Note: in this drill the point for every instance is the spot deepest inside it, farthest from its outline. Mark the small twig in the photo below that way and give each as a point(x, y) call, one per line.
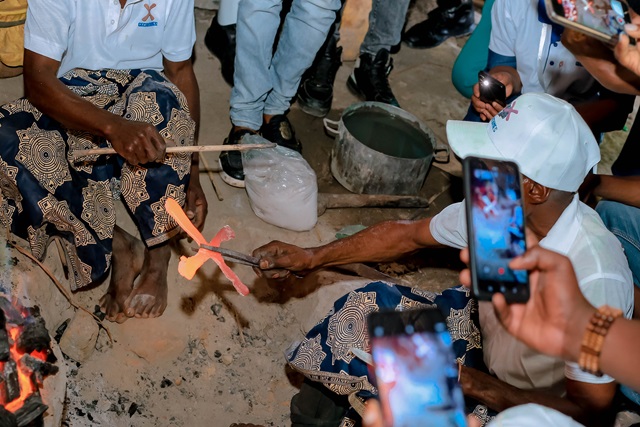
point(60, 287)
point(240, 333)
point(210, 174)
point(77, 154)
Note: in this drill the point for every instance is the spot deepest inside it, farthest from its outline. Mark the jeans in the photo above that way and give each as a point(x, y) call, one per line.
point(265, 83)
point(385, 25)
point(624, 221)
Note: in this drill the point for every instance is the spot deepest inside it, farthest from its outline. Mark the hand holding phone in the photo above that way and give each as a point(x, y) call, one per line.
point(415, 372)
point(491, 89)
point(600, 19)
point(496, 228)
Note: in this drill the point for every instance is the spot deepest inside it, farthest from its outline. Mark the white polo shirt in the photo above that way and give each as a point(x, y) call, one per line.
point(544, 65)
point(603, 275)
point(99, 34)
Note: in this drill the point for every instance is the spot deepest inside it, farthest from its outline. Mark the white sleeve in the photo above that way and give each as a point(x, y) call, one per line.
point(180, 32)
point(449, 227)
point(599, 291)
point(46, 30)
point(503, 27)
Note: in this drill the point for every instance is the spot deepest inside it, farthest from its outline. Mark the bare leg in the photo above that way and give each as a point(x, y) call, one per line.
point(128, 259)
point(149, 295)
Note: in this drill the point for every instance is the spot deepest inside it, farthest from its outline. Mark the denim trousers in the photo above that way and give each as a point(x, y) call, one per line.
point(385, 25)
point(624, 221)
point(265, 82)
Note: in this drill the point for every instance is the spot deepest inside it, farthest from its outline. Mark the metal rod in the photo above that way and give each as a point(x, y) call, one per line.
point(188, 149)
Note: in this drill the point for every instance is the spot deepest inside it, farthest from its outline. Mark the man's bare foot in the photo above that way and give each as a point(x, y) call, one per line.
point(128, 260)
point(149, 295)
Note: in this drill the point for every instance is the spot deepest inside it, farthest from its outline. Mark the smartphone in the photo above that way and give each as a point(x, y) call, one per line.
point(496, 228)
point(491, 89)
point(601, 19)
point(415, 370)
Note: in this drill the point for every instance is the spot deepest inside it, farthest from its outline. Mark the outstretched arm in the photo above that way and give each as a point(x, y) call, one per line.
point(385, 241)
point(137, 142)
point(586, 403)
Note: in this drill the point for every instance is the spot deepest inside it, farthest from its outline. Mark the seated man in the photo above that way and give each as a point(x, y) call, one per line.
point(555, 150)
point(104, 74)
point(527, 55)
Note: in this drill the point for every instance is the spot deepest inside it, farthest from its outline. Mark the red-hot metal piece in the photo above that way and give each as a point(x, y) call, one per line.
point(189, 265)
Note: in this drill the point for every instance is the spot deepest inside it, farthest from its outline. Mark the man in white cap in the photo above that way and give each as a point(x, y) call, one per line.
point(555, 150)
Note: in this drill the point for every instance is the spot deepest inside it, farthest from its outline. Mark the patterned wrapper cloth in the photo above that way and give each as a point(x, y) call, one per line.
point(45, 195)
point(325, 354)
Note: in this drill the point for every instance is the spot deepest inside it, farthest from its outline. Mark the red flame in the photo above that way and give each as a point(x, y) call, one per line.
point(26, 385)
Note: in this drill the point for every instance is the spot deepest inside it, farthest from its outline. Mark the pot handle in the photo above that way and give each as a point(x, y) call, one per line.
point(445, 154)
point(331, 126)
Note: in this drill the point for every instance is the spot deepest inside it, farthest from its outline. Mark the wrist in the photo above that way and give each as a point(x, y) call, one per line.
point(576, 328)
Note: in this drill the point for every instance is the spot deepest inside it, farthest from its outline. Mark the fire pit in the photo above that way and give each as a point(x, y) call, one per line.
point(25, 360)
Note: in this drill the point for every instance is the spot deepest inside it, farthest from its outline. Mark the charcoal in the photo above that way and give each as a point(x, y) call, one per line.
point(3, 390)
point(34, 336)
point(30, 410)
point(12, 314)
point(60, 330)
point(11, 378)
point(7, 419)
point(5, 347)
point(39, 368)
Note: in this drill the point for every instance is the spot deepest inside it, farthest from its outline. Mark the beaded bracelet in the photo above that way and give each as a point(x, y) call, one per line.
point(593, 338)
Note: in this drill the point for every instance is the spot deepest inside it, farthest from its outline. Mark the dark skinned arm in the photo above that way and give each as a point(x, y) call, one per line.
point(181, 74)
point(599, 60)
point(385, 241)
point(137, 142)
point(513, 84)
point(584, 402)
point(619, 189)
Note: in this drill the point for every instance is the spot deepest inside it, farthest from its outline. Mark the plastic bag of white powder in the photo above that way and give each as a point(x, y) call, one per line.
point(282, 187)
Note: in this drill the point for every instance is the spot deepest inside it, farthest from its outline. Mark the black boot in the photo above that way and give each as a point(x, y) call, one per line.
point(316, 91)
point(451, 18)
point(371, 79)
point(221, 41)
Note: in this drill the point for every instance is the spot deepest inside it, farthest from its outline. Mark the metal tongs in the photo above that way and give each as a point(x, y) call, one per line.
point(233, 256)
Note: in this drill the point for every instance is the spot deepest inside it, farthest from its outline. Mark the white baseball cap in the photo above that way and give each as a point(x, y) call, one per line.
point(544, 135)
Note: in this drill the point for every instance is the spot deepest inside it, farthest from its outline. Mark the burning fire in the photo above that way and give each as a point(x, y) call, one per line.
point(27, 387)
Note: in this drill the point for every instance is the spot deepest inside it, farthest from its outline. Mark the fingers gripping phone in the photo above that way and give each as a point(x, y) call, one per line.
point(601, 19)
point(415, 369)
point(491, 89)
point(496, 228)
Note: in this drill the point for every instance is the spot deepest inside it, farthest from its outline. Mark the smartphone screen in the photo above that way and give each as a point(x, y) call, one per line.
point(415, 369)
point(496, 229)
point(491, 89)
point(606, 17)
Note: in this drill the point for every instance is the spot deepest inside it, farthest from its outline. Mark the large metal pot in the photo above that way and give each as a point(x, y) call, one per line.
point(382, 149)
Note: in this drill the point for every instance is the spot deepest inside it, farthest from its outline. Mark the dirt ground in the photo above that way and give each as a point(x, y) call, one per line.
point(215, 357)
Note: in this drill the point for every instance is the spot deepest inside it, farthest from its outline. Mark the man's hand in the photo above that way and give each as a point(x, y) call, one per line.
point(508, 79)
point(556, 315)
point(626, 54)
point(278, 260)
point(136, 142)
point(196, 206)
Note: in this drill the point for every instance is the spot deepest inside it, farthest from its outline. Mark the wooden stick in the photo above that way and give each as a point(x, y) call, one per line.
point(188, 149)
point(210, 174)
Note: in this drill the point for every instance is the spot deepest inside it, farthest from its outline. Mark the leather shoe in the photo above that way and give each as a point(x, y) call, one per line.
point(370, 80)
point(221, 41)
point(440, 25)
point(231, 161)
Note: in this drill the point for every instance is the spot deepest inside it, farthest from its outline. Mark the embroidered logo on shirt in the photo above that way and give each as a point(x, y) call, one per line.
point(153, 22)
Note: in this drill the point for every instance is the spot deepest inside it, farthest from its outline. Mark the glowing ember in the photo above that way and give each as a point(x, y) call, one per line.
point(188, 266)
point(26, 385)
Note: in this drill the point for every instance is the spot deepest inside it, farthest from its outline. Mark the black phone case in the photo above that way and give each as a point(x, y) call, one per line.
point(491, 89)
